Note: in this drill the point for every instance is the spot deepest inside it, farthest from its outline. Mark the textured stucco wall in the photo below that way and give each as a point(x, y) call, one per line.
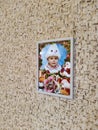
point(23, 23)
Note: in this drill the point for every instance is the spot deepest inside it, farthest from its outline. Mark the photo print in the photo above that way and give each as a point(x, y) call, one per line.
point(55, 67)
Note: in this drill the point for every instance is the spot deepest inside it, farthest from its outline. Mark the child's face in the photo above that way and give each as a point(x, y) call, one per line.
point(53, 61)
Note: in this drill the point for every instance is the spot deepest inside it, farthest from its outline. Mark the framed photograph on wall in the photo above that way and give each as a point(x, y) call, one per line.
point(55, 67)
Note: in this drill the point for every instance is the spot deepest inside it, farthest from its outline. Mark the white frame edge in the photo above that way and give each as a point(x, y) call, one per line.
point(72, 45)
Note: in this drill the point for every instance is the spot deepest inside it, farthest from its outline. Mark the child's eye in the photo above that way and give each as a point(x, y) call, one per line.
point(51, 50)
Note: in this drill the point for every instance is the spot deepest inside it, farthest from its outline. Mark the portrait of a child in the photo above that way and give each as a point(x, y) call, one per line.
point(53, 56)
point(54, 67)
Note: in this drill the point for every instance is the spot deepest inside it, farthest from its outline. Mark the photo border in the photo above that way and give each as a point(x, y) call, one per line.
point(71, 60)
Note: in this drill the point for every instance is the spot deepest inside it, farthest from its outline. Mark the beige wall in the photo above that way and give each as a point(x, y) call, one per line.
point(23, 23)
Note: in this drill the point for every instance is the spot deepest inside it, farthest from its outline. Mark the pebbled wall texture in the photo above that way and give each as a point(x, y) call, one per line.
point(25, 22)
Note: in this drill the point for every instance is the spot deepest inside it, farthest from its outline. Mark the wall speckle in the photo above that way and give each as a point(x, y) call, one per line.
point(25, 22)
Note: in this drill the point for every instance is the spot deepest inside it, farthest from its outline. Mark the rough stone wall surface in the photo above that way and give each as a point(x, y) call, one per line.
point(23, 23)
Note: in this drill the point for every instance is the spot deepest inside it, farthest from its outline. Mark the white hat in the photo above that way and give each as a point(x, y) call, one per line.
point(53, 51)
